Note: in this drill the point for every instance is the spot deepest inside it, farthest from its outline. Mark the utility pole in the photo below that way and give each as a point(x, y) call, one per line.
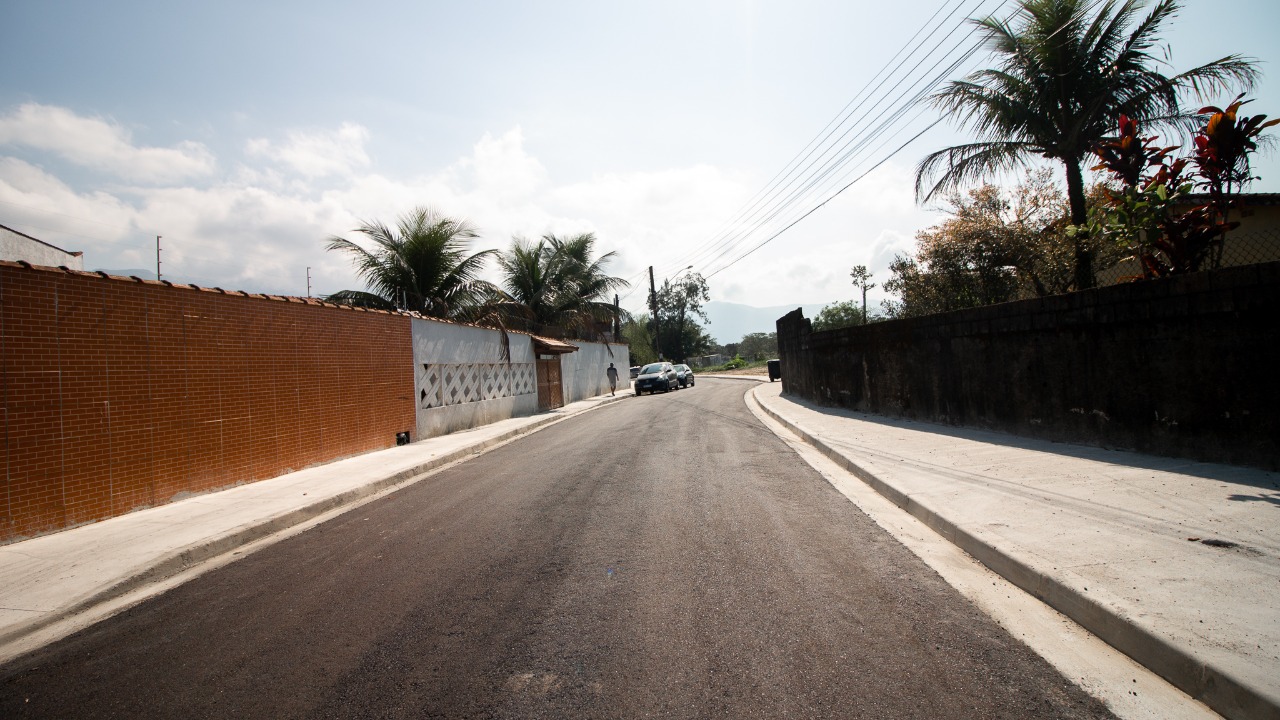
point(653, 309)
point(308, 281)
point(157, 258)
point(617, 319)
point(684, 302)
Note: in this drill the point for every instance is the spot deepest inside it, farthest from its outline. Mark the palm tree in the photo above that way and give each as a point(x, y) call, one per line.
point(589, 281)
point(420, 266)
point(554, 286)
point(527, 282)
point(1063, 80)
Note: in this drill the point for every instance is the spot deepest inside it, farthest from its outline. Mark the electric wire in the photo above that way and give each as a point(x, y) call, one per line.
point(852, 147)
point(855, 146)
point(826, 177)
point(785, 178)
point(831, 127)
point(723, 242)
point(824, 202)
point(879, 129)
point(792, 195)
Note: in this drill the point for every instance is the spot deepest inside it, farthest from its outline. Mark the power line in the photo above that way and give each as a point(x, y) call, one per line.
point(823, 156)
point(783, 178)
point(725, 243)
point(826, 178)
point(824, 202)
point(859, 144)
point(824, 134)
point(844, 159)
point(799, 187)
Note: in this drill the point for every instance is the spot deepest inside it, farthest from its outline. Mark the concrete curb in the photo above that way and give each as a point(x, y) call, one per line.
point(170, 565)
point(1174, 662)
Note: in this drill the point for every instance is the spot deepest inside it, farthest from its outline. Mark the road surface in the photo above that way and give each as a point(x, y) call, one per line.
point(664, 556)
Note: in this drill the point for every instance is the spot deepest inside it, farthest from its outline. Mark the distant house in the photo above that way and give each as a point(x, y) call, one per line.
point(17, 246)
point(1258, 237)
point(1257, 240)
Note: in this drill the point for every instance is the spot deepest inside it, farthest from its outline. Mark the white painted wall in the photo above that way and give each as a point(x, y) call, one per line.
point(582, 373)
point(461, 380)
point(15, 246)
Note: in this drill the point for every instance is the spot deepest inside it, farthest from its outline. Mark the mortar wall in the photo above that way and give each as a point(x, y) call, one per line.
point(119, 395)
point(1184, 366)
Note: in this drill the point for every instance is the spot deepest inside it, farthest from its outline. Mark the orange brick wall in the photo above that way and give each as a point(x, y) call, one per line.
point(118, 395)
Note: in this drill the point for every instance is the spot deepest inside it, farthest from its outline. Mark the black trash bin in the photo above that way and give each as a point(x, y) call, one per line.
point(775, 370)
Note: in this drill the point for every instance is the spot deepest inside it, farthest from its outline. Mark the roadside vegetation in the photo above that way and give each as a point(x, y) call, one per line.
point(1073, 83)
point(738, 365)
point(555, 286)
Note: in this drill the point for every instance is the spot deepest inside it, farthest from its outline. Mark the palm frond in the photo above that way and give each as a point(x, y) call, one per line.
point(358, 298)
point(958, 166)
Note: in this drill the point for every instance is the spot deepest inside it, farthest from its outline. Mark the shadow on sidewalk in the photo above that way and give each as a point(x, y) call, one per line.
point(1233, 474)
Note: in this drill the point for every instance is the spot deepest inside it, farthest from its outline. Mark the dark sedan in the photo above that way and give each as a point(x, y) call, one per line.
point(657, 376)
point(684, 374)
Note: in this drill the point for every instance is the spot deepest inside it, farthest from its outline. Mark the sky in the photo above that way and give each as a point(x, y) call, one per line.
point(247, 133)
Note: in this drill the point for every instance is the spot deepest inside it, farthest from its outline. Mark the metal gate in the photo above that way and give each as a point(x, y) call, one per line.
point(550, 390)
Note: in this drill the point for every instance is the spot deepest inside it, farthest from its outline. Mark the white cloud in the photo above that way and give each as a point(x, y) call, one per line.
point(259, 228)
point(318, 154)
point(500, 169)
point(101, 145)
point(41, 205)
point(810, 263)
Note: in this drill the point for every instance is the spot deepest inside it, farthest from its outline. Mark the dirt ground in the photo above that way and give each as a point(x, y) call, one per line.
point(762, 370)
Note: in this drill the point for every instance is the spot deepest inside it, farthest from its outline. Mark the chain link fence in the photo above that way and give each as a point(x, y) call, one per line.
point(1244, 247)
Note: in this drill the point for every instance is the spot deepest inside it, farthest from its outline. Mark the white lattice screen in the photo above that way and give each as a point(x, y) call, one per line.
point(442, 384)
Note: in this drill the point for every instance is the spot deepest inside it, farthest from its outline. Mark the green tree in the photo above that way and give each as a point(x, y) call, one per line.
point(422, 265)
point(1063, 78)
point(555, 286)
point(838, 315)
point(997, 245)
point(758, 346)
point(637, 333)
point(681, 342)
point(678, 304)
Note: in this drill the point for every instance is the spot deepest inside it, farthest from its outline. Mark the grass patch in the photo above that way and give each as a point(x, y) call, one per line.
point(734, 364)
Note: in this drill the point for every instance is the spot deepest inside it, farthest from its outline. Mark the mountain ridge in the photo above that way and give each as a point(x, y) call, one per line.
point(728, 322)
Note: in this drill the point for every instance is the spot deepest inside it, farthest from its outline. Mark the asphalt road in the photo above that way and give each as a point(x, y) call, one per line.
point(665, 556)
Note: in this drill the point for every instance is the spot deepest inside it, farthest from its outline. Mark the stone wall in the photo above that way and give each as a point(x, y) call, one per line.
point(1185, 366)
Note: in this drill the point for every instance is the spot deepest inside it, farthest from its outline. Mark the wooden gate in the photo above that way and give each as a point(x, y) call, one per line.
point(550, 390)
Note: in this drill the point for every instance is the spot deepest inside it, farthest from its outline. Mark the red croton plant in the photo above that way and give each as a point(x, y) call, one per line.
point(1149, 214)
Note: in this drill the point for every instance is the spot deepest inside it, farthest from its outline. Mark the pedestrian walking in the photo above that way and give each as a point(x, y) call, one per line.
point(612, 372)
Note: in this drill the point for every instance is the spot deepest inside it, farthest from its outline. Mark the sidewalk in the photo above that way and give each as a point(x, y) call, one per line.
point(1173, 562)
point(56, 577)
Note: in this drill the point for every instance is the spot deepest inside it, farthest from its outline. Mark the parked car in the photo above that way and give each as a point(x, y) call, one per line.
point(635, 371)
point(684, 374)
point(657, 376)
